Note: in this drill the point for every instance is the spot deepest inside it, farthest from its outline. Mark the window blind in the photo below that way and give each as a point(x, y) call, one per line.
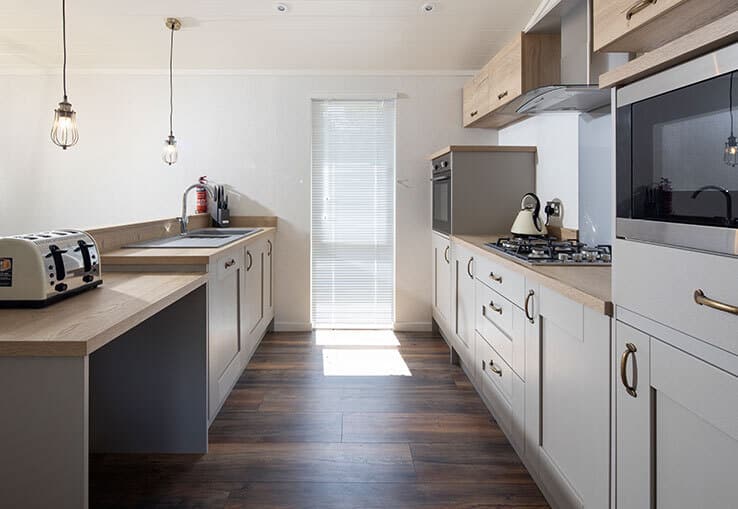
point(353, 203)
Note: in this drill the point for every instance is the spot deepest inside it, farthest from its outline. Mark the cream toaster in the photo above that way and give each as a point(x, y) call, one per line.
point(40, 268)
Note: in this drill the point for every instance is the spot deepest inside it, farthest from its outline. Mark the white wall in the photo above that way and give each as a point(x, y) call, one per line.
point(574, 156)
point(249, 131)
point(557, 173)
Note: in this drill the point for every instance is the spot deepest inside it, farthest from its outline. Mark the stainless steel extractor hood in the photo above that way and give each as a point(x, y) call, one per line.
point(580, 68)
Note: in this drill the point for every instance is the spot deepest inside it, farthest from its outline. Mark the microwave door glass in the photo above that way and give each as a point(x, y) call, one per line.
point(679, 140)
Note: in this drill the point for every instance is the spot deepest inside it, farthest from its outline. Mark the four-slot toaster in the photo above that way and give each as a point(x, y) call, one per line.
point(37, 269)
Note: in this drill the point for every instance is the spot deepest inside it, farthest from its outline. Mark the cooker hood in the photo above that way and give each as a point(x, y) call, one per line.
point(580, 68)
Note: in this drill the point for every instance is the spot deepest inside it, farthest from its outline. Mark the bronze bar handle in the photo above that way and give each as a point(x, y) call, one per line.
point(528, 298)
point(630, 349)
point(251, 261)
point(269, 243)
point(474, 113)
point(445, 254)
point(495, 278)
point(703, 300)
point(497, 371)
point(502, 95)
point(494, 308)
point(230, 263)
point(468, 268)
point(638, 7)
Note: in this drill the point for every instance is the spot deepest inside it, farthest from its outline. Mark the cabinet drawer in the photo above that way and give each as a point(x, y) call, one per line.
point(505, 331)
point(643, 25)
point(228, 263)
point(660, 283)
point(495, 368)
point(508, 282)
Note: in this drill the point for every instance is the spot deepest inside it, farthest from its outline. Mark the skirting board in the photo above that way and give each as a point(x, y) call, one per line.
point(293, 326)
point(307, 326)
point(412, 326)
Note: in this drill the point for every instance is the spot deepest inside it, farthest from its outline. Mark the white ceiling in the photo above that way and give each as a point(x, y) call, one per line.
point(336, 35)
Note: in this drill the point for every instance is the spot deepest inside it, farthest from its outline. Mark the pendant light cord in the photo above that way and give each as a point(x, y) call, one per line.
point(730, 102)
point(64, 45)
point(171, 82)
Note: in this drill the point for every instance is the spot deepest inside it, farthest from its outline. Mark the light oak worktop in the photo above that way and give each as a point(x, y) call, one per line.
point(481, 148)
point(591, 286)
point(81, 324)
point(174, 256)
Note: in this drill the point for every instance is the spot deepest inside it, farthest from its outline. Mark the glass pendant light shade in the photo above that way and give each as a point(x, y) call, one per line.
point(64, 132)
point(731, 151)
point(169, 154)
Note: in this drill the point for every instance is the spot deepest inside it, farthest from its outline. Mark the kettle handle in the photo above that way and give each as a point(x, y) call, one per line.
point(536, 210)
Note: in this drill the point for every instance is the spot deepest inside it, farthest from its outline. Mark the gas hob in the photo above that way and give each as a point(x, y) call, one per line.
point(551, 251)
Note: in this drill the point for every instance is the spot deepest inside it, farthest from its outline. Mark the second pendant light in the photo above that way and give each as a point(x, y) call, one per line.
point(169, 154)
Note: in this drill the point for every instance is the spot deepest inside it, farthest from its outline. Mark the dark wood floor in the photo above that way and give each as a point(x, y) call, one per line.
point(291, 437)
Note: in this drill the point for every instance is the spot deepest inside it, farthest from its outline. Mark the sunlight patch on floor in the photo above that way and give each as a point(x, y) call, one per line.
point(359, 338)
point(364, 362)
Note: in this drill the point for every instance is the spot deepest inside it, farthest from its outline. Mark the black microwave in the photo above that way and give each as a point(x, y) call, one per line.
point(677, 156)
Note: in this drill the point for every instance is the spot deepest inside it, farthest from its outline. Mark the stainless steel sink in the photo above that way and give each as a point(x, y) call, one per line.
point(204, 238)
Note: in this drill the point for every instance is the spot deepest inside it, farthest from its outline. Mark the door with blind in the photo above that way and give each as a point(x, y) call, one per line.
point(353, 213)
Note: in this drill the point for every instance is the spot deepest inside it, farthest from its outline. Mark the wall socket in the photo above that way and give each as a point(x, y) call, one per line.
point(553, 208)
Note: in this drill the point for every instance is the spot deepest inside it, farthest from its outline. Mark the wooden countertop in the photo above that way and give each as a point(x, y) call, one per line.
point(174, 256)
point(481, 148)
point(591, 286)
point(81, 324)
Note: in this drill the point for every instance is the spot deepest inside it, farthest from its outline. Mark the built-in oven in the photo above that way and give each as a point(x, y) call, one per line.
point(677, 156)
point(441, 180)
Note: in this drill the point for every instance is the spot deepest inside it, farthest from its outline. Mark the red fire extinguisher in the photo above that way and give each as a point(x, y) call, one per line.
point(202, 196)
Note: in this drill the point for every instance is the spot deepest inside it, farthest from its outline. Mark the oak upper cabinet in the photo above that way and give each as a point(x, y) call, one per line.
point(442, 281)
point(224, 327)
point(527, 62)
point(463, 302)
point(567, 397)
point(476, 96)
point(643, 25)
point(677, 427)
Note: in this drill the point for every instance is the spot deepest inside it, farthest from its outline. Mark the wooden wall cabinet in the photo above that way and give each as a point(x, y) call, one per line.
point(527, 62)
point(643, 25)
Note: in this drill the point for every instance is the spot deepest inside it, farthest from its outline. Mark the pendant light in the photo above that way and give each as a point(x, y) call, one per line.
point(730, 155)
point(64, 132)
point(169, 154)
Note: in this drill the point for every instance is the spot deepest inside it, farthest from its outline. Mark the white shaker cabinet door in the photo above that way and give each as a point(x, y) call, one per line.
point(464, 309)
point(442, 278)
point(677, 419)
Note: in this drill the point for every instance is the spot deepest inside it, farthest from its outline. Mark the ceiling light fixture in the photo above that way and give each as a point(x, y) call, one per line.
point(64, 131)
point(282, 7)
point(169, 154)
point(428, 8)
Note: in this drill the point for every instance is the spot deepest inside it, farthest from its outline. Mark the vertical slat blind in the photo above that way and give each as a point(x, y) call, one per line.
point(353, 175)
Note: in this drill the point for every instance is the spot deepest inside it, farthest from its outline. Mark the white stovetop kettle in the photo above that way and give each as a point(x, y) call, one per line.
point(529, 222)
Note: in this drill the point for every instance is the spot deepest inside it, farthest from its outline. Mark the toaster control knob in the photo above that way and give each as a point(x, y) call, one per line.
point(61, 287)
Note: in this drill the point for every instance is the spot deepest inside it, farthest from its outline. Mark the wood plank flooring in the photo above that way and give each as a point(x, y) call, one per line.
point(291, 437)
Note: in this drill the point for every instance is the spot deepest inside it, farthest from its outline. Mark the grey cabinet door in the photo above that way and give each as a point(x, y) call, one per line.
point(224, 326)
